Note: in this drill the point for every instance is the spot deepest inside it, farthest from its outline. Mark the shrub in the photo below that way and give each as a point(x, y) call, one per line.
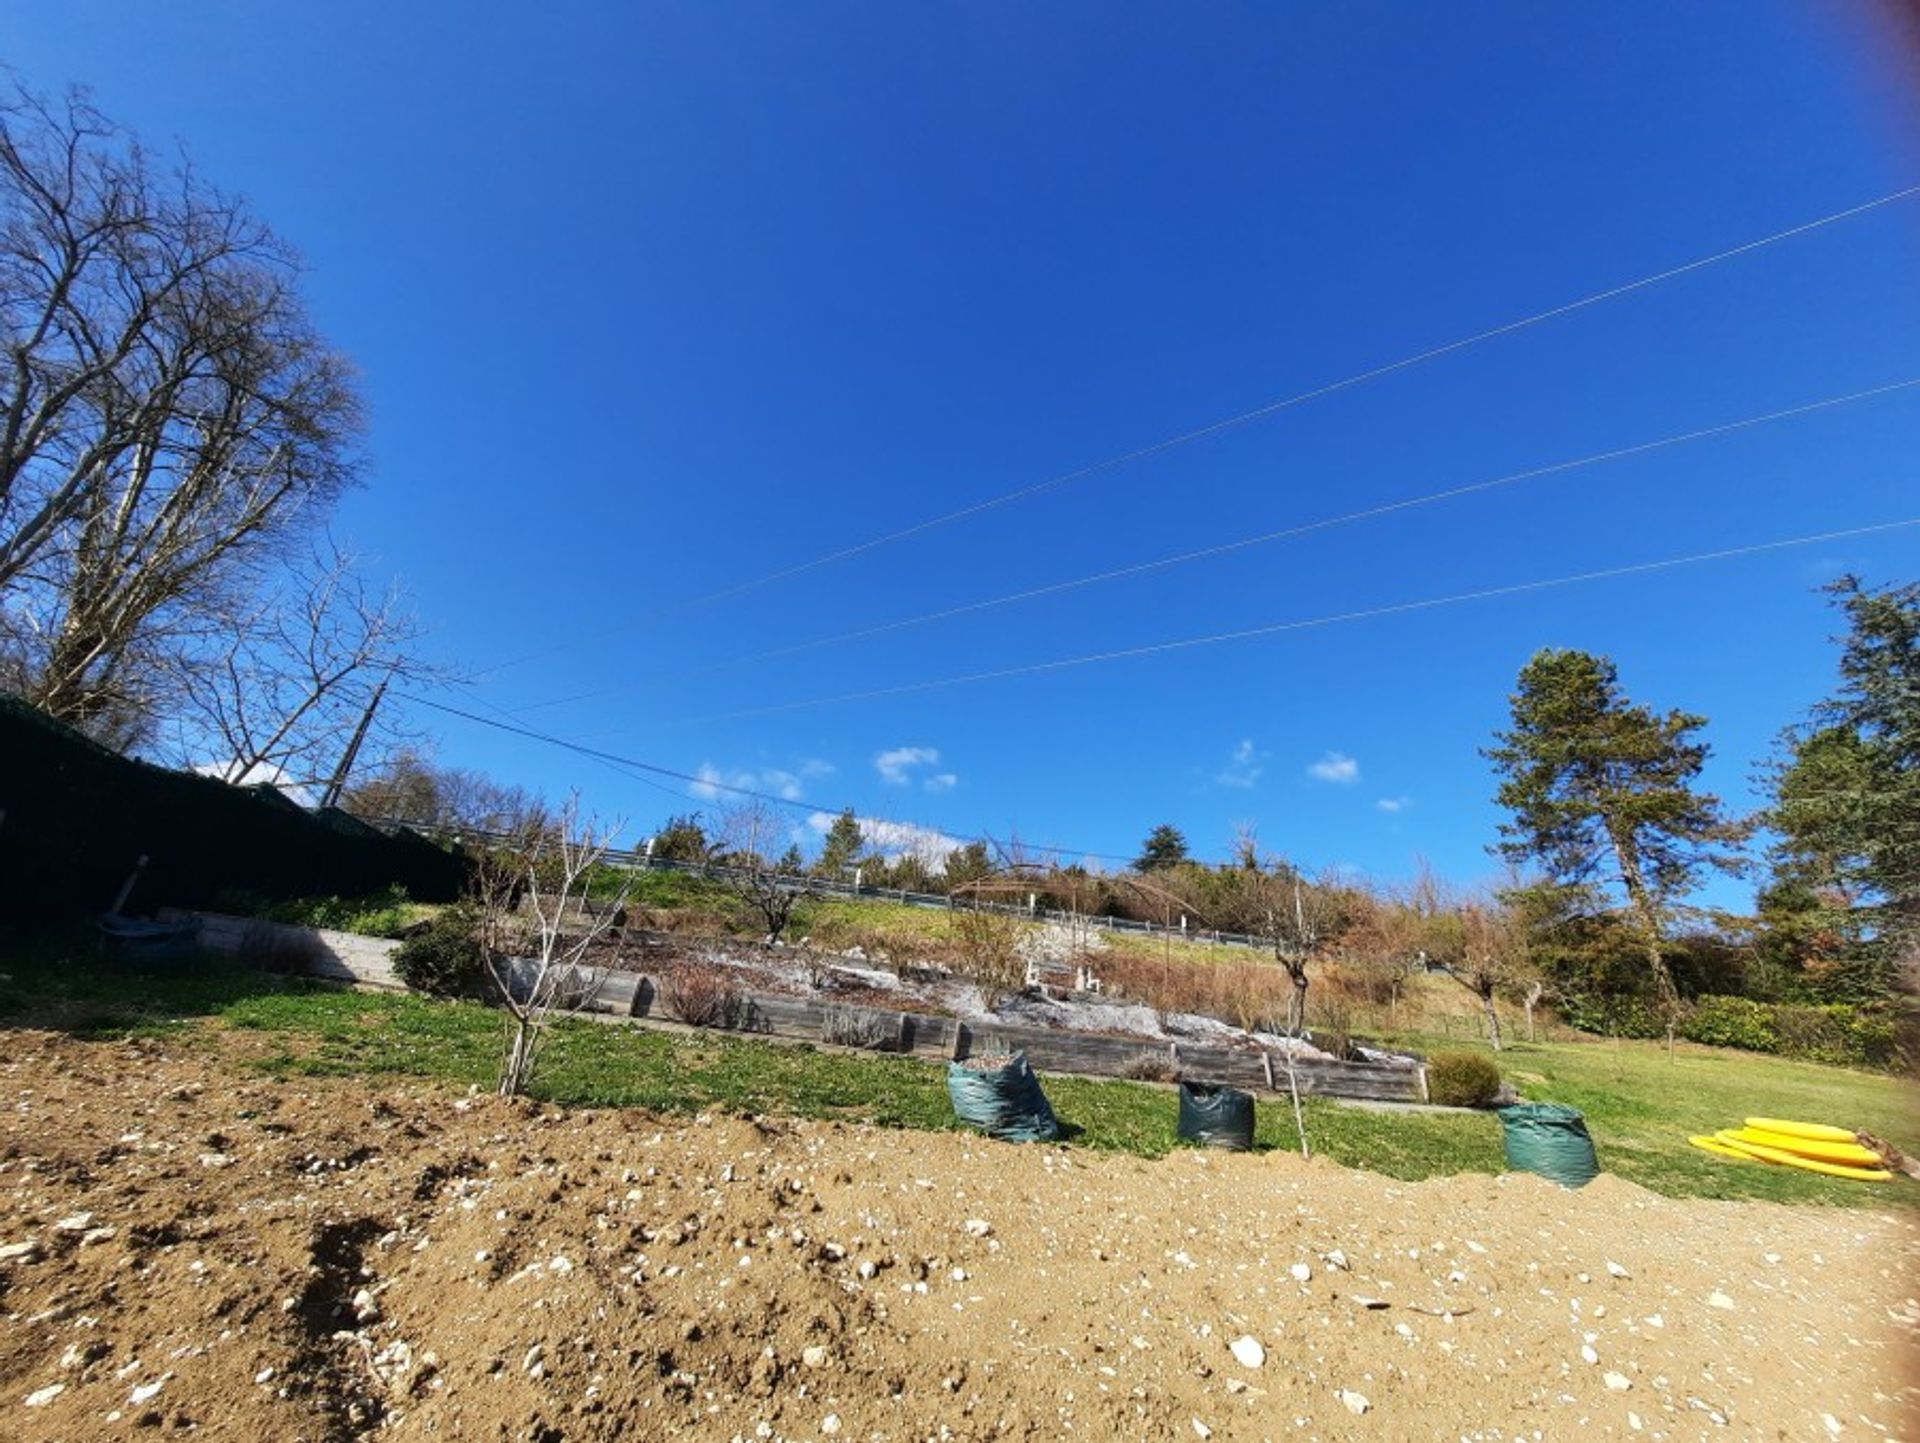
point(988, 944)
point(1830, 1032)
point(702, 996)
point(445, 959)
point(858, 1027)
point(1462, 1079)
point(1149, 1067)
point(386, 913)
point(1733, 1022)
point(1332, 1030)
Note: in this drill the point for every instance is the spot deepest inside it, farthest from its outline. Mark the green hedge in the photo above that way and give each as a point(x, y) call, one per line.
point(1831, 1032)
point(1836, 1032)
point(78, 818)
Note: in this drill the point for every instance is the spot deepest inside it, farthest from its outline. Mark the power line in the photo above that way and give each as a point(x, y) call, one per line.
point(623, 764)
point(1227, 547)
point(1337, 618)
point(1228, 423)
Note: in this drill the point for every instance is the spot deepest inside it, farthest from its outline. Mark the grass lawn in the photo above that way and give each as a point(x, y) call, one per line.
point(1639, 1105)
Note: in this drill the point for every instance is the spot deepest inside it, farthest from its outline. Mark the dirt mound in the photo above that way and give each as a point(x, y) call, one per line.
point(185, 1245)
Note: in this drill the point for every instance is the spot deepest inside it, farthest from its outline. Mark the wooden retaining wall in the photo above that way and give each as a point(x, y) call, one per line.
point(635, 998)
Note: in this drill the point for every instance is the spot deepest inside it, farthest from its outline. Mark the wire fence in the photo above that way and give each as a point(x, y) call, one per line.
point(644, 861)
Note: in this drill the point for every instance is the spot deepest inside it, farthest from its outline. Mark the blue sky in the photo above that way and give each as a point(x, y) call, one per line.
point(654, 300)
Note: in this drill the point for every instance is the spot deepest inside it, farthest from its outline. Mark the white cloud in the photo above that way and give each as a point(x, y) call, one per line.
point(895, 766)
point(1394, 804)
point(943, 782)
point(264, 774)
point(895, 840)
point(1244, 766)
point(1336, 767)
point(716, 785)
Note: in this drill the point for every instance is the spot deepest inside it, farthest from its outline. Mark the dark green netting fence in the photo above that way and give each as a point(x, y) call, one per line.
point(75, 819)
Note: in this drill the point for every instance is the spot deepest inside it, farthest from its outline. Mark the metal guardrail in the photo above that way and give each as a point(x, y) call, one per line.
point(833, 886)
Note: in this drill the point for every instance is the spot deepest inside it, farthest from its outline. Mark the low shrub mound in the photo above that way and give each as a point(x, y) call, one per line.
point(445, 959)
point(1462, 1079)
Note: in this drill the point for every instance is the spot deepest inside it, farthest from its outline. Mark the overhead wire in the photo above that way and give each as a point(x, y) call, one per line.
point(634, 766)
point(1224, 548)
point(1276, 628)
point(1242, 418)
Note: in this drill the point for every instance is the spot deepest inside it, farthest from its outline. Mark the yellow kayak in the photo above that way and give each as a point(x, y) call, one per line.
point(1807, 1164)
point(1849, 1153)
point(1714, 1145)
point(1817, 1131)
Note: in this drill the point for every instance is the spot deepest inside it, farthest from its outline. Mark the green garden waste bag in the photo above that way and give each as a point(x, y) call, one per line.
point(1003, 1100)
point(1216, 1116)
point(1551, 1139)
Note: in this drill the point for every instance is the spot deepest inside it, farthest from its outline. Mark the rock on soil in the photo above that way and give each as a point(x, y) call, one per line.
point(404, 1262)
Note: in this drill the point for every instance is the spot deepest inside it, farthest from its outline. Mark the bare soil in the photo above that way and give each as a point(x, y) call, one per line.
point(188, 1246)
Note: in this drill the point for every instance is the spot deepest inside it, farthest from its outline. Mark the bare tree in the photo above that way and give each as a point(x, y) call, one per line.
point(1535, 993)
point(547, 951)
point(168, 416)
point(297, 686)
point(741, 834)
point(1297, 918)
point(407, 787)
point(1479, 941)
point(1489, 958)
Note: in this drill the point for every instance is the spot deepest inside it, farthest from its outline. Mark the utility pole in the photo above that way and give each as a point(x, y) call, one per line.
point(331, 797)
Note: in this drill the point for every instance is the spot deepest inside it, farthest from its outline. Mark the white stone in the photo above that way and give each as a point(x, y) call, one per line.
point(1301, 1272)
point(1355, 1403)
point(19, 1252)
point(40, 1397)
point(366, 1307)
point(1337, 1259)
point(978, 1227)
point(1720, 1300)
point(1247, 1351)
point(1201, 1430)
point(1617, 1270)
point(814, 1357)
point(1587, 1354)
point(830, 1424)
point(77, 1223)
point(1618, 1382)
point(147, 1391)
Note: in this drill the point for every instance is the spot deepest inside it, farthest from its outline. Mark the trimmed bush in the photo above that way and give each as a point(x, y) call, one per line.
point(444, 960)
point(1462, 1079)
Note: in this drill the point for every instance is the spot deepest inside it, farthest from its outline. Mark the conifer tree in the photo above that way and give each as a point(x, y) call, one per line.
point(1602, 791)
